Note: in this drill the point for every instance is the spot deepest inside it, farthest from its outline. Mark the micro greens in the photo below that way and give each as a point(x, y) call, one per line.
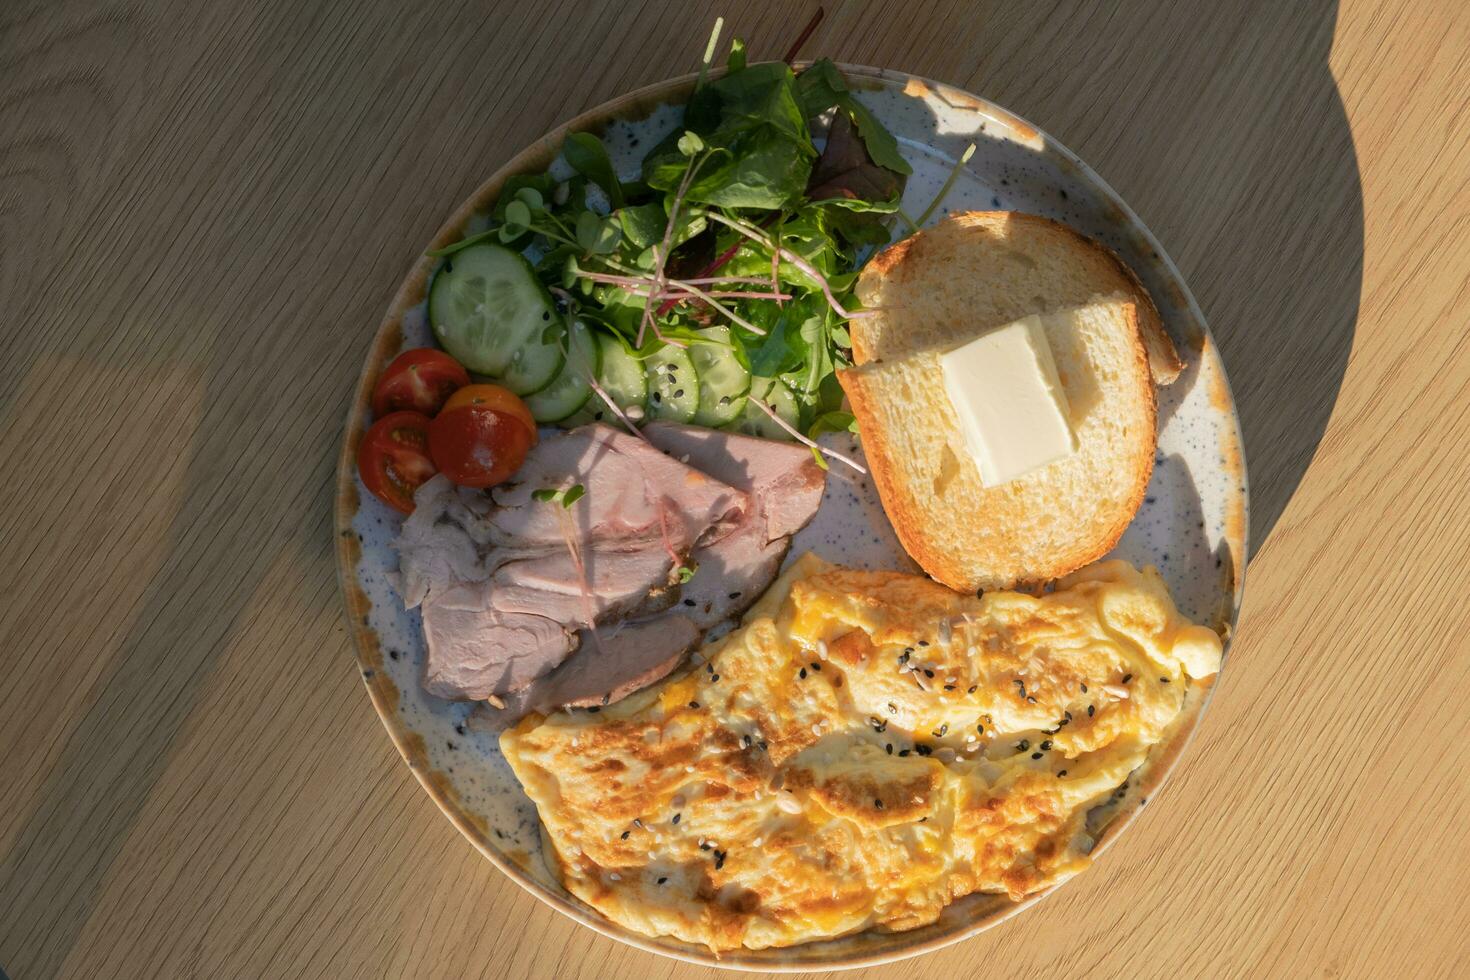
point(736, 219)
point(565, 496)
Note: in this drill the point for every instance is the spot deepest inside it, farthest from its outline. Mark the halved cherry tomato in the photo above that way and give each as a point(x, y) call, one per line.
point(393, 458)
point(477, 446)
point(418, 380)
point(496, 397)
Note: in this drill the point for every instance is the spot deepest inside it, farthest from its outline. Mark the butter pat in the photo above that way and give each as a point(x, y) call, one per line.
point(1010, 403)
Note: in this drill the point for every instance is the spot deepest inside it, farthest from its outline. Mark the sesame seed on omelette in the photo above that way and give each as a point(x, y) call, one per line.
point(865, 749)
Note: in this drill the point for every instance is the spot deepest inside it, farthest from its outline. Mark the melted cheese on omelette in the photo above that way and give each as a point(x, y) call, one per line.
point(867, 748)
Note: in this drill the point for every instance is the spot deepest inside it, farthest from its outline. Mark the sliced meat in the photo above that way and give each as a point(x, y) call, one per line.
point(731, 575)
point(784, 479)
point(785, 485)
point(502, 594)
point(440, 541)
point(474, 650)
point(618, 584)
point(634, 494)
point(626, 659)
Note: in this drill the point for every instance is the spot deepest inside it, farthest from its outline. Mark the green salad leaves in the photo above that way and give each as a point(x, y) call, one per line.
point(737, 233)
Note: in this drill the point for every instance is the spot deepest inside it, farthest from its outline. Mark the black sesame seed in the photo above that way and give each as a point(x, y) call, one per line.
point(719, 860)
point(694, 705)
point(817, 667)
point(903, 753)
point(662, 880)
point(889, 748)
point(928, 673)
point(903, 658)
point(745, 741)
point(1036, 755)
point(688, 602)
point(973, 688)
point(1090, 709)
point(801, 673)
point(1163, 680)
point(1127, 678)
point(735, 595)
point(878, 804)
point(714, 678)
point(676, 818)
point(949, 687)
point(908, 649)
point(761, 744)
point(1030, 699)
point(1061, 772)
point(923, 749)
point(704, 845)
point(1046, 745)
point(892, 708)
point(1084, 688)
point(1023, 745)
point(624, 834)
point(459, 728)
point(1020, 685)
point(594, 710)
point(923, 643)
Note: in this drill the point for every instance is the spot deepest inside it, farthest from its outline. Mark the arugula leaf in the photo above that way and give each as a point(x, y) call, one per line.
point(822, 86)
point(588, 157)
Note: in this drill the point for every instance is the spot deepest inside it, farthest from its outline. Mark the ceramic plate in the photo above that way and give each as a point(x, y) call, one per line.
point(1192, 525)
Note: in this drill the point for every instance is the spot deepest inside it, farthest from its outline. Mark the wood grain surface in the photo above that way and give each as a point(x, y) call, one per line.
point(204, 210)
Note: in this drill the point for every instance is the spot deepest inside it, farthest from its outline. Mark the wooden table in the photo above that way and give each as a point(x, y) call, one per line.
point(204, 209)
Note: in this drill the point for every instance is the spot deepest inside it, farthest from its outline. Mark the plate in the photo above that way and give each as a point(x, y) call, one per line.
point(1192, 525)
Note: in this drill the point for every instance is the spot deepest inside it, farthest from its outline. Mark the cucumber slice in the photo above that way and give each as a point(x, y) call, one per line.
point(754, 422)
point(490, 313)
point(673, 386)
point(570, 389)
point(621, 375)
point(723, 380)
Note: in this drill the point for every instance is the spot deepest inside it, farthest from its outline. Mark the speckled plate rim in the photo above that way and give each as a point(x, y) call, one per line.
point(385, 696)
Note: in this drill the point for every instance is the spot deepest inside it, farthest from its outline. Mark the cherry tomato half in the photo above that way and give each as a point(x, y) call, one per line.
point(476, 446)
point(418, 380)
point(496, 397)
point(393, 458)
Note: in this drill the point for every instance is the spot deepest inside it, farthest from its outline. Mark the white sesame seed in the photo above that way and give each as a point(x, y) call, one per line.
point(615, 876)
point(817, 729)
point(787, 805)
point(822, 649)
point(757, 842)
point(1115, 691)
point(688, 768)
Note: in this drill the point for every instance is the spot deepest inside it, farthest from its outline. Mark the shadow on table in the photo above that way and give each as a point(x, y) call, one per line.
point(1277, 269)
point(1250, 182)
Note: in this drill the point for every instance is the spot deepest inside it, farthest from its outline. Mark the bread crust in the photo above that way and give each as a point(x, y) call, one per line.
point(937, 549)
point(1163, 358)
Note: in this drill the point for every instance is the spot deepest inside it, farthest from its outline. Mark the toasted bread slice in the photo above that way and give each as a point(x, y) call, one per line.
point(1039, 526)
point(980, 269)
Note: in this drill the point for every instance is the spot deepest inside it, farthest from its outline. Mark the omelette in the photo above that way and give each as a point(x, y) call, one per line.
point(865, 749)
